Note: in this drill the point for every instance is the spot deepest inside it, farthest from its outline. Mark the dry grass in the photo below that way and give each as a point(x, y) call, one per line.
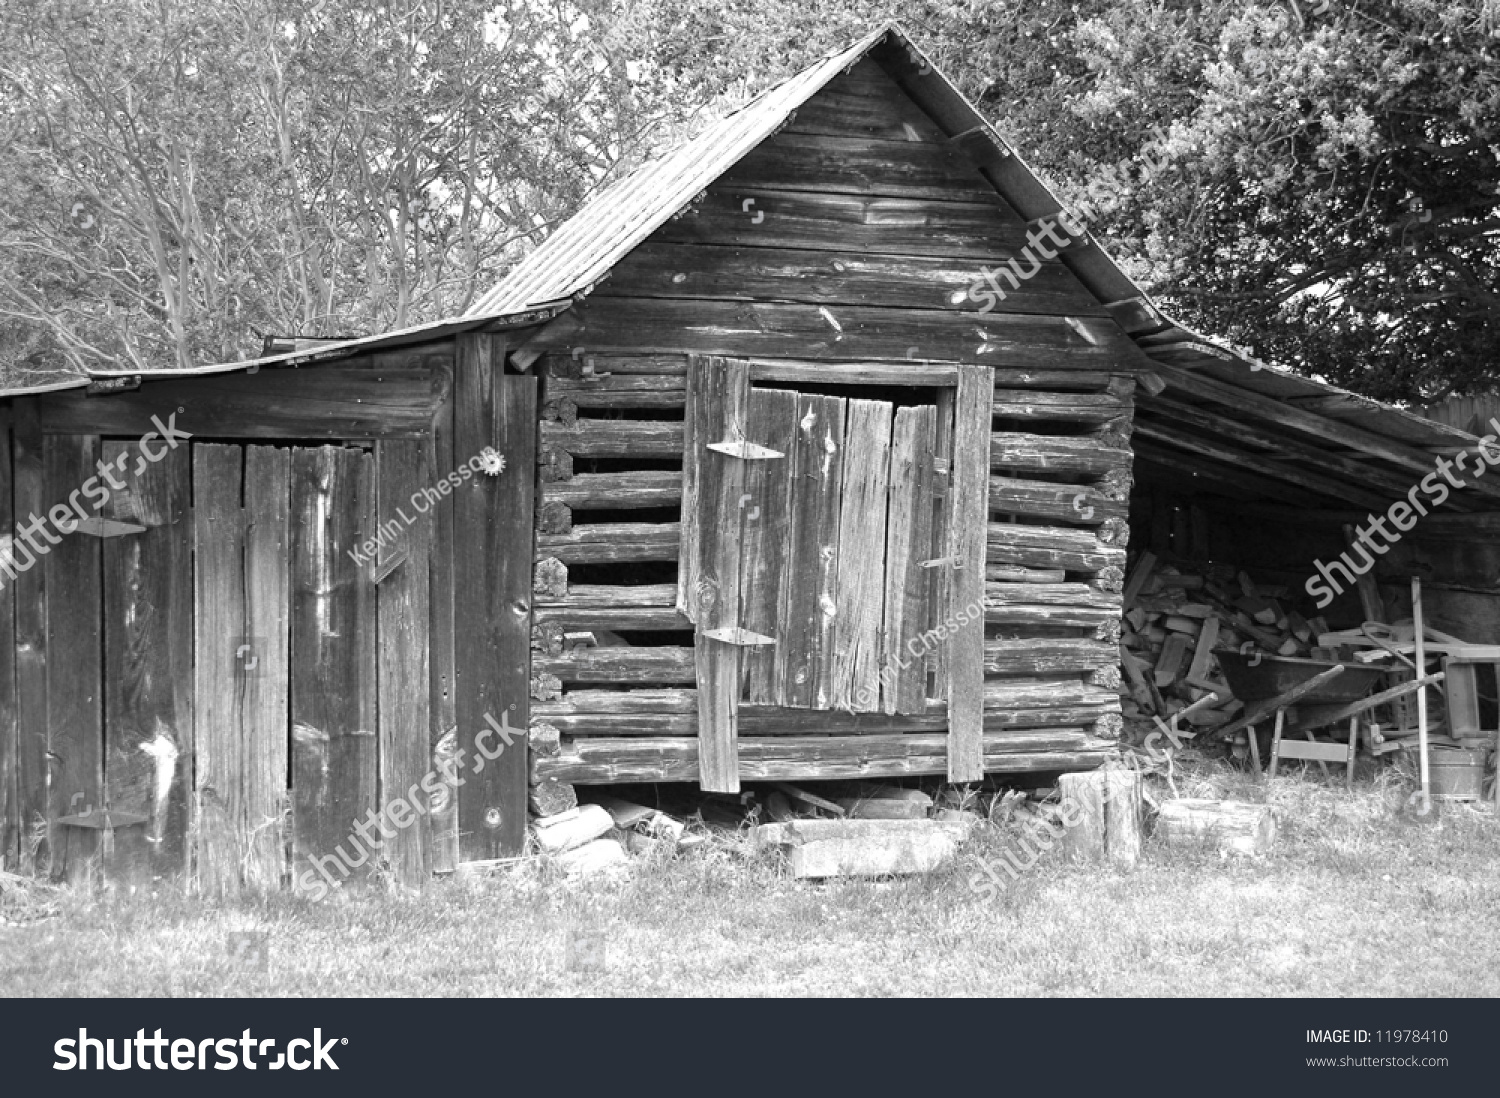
point(1357, 899)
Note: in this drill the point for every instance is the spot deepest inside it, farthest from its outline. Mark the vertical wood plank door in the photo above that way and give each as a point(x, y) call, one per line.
point(812, 534)
point(333, 669)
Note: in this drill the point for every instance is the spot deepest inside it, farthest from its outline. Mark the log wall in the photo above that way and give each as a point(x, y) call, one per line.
point(840, 252)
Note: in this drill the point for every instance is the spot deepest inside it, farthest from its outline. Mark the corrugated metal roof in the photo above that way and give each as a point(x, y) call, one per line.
point(417, 333)
point(614, 221)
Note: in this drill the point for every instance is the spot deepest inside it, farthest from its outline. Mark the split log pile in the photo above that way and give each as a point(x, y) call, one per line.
point(1174, 622)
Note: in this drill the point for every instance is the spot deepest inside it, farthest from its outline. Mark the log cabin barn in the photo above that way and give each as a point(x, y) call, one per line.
point(731, 480)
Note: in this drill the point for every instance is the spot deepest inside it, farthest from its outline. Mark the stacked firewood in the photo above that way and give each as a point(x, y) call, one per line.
point(1175, 620)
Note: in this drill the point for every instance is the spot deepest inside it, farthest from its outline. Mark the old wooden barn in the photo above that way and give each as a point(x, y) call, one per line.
point(800, 453)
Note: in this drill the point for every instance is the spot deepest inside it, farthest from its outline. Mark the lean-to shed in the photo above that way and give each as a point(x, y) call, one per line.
point(805, 451)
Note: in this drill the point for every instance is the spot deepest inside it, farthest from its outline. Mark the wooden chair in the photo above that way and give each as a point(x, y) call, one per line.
point(1314, 751)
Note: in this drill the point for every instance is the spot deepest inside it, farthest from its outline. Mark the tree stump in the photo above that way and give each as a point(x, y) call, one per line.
point(1101, 816)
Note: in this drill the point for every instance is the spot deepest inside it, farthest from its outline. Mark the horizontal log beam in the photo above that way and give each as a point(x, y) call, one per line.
point(606, 542)
point(597, 596)
point(823, 277)
point(1082, 504)
point(619, 665)
point(844, 333)
point(841, 223)
point(1015, 451)
point(1049, 547)
point(1065, 407)
point(1047, 655)
point(863, 166)
point(617, 491)
point(615, 438)
point(615, 618)
point(604, 761)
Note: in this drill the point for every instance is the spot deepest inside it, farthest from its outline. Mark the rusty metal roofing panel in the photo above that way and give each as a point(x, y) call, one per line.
point(417, 333)
point(585, 247)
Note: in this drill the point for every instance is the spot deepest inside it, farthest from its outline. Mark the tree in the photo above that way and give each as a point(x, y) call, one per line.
point(179, 178)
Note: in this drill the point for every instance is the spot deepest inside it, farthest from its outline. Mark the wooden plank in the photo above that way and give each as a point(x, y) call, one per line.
point(772, 423)
point(865, 102)
point(632, 438)
point(333, 666)
point(908, 541)
point(807, 218)
point(604, 542)
point(662, 664)
point(846, 332)
point(266, 676)
point(10, 763)
point(31, 640)
point(810, 588)
point(605, 761)
point(969, 500)
point(494, 548)
point(910, 374)
point(404, 612)
point(442, 659)
point(617, 491)
point(218, 666)
point(325, 402)
point(860, 166)
point(148, 662)
point(1081, 503)
point(826, 277)
point(942, 522)
point(75, 675)
point(854, 674)
point(720, 413)
point(1015, 451)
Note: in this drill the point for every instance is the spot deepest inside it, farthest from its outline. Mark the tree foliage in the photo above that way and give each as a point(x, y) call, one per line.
point(181, 177)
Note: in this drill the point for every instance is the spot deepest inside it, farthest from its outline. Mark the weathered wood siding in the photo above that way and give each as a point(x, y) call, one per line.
point(225, 658)
point(842, 251)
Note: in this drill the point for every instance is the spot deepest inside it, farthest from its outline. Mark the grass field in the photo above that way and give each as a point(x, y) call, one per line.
point(1357, 899)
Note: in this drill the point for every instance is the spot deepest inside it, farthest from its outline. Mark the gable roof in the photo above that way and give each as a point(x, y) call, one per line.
point(570, 262)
